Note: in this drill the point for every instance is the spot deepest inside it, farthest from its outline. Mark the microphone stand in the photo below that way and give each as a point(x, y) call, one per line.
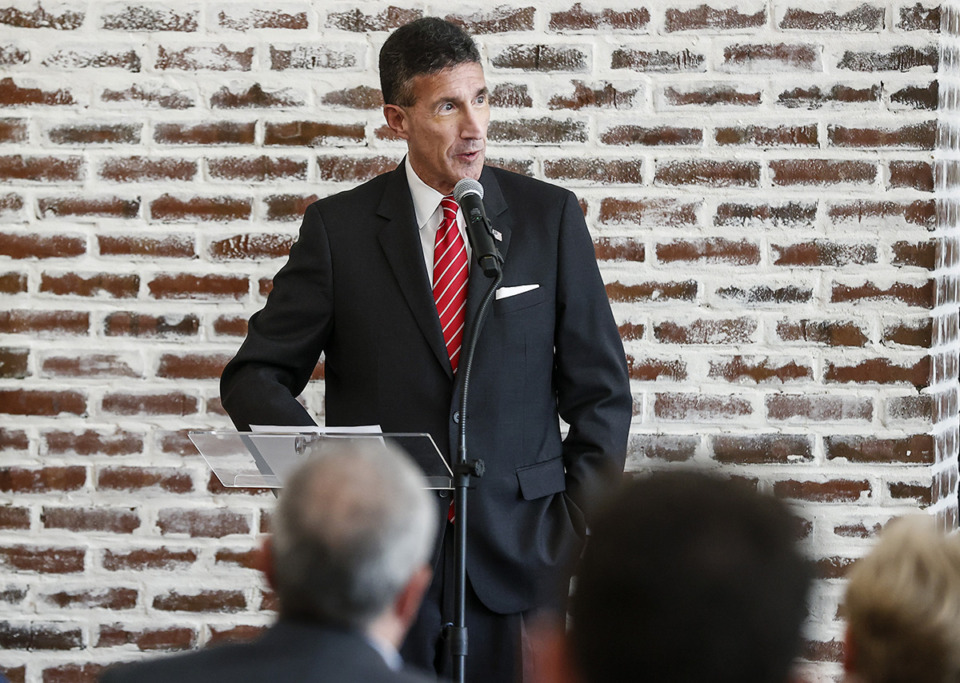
point(464, 471)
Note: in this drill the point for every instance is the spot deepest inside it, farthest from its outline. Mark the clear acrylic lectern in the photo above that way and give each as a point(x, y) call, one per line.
point(264, 459)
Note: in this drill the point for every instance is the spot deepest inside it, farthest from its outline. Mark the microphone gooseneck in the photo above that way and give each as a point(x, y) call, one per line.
point(469, 195)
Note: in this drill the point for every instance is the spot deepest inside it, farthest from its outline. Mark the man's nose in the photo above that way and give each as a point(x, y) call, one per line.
point(473, 125)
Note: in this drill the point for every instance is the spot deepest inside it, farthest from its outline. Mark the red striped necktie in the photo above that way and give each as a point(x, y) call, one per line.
point(450, 280)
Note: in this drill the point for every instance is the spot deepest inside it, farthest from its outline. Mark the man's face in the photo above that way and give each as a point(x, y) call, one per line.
point(446, 127)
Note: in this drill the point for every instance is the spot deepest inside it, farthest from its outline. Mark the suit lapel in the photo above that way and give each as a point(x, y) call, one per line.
point(496, 206)
point(401, 246)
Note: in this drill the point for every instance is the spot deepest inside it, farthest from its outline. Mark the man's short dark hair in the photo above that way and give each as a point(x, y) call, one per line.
point(424, 46)
point(689, 578)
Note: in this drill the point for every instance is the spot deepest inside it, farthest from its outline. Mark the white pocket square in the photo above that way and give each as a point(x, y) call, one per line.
point(506, 292)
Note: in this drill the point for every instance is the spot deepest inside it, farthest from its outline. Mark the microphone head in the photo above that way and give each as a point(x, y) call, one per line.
point(467, 186)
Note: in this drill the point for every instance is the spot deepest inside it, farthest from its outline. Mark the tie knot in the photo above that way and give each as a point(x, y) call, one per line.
point(449, 204)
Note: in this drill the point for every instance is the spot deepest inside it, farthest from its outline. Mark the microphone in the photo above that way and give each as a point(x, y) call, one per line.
point(469, 195)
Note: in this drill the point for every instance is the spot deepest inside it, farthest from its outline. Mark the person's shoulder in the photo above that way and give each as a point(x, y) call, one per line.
point(361, 195)
point(518, 183)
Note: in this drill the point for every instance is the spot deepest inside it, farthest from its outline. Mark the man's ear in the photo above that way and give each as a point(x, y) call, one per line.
point(407, 603)
point(396, 120)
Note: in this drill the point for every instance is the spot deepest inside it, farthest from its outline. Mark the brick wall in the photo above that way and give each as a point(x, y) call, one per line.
point(773, 209)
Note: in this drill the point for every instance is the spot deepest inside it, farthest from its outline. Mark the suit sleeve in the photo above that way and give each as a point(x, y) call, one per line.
point(284, 339)
point(590, 371)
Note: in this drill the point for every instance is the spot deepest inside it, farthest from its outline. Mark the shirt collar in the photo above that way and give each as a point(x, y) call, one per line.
point(425, 198)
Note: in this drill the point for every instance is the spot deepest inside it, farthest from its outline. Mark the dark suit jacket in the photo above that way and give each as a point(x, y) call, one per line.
point(355, 287)
point(290, 651)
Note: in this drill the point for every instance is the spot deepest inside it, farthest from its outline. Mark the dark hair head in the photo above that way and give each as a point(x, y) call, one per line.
point(424, 46)
point(689, 578)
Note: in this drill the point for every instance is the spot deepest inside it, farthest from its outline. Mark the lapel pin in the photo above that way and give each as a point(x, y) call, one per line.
point(496, 235)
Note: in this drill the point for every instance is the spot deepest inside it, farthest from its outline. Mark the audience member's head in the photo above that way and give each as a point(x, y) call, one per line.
point(687, 578)
point(351, 538)
point(425, 46)
point(903, 607)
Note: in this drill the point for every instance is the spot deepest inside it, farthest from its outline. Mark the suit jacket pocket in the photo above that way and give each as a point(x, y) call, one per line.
point(519, 301)
point(542, 479)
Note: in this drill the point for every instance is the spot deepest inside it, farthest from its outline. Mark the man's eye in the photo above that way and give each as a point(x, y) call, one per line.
point(482, 99)
point(447, 106)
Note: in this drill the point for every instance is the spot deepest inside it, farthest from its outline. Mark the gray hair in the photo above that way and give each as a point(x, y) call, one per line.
point(352, 526)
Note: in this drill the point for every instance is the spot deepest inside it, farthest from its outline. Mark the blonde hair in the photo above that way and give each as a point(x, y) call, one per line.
point(903, 606)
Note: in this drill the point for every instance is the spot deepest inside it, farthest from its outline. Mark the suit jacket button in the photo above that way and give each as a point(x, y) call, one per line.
point(456, 417)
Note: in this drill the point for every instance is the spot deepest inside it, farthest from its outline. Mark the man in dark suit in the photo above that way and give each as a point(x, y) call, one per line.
point(357, 287)
point(348, 557)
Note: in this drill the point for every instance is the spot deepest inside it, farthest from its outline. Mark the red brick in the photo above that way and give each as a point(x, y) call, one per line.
point(351, 169)
point(823, 253)
point(791, 214)
point(814, 98)
point(656, 212)
point(129, 324)
point(545, 58)
point(34, 246)
point(759, 370)
point(192, 366)
point(91, 442)
point(40, 636)
point(722, 331)
point(14, 130)
point(909, 408)
point(257, 169)
point(666, 447)
point(901, 58)
point(658, 61)
point(14, 517)
point(762, 449)
point(138, 478)
point(230, 326)
point(916, 254)
point(171, 209)
point(13, 440)
point(767, 136)
point(919, 18)
point(917, 175)
point(605, 171)
point(136, 17)
point(49, 403)
point(113, 520)
point(618, 249)
point(14, 362)
point(833, 491)
point(360, 97)
point(12, 596)
point(90, 59)
point(517, 96)
point(857, 530)
point(68, 20)
point(762, 294)
point(606, 96)
point(218, 133)
point(915, 136)
point(819, 651)
point(357, 22)
point(921, 212)
point(96, 365)
point(917, 333)
point(917, 97)
point(11, 55)
point(916, 493)
point(13, 283)
point(707, 173)
point(73, 673)
point(12, 95)
point(863, 18)
point(918, 449)
point(134, 169)
point(818, 408)
point(705, 19)
point(149, 558)
point(235, 634)
point(287, 207)
point(822, 172)
point(310, 57)
point(45, 560)
point(169, 639)
point(210, 601)
point(172, 403)
point(44, 169)
point(105, 207)
point(262, 19)
point(653, 291)
point(94, 598)
point(173, 246)
point(247, 559)
point(652, 369)
point(538, 131)
point(203, 58)
point(715, 250)
point(10, 205)
point(95, 134)
point(880, 371)
point(22, 480)
point(161, 96)
point(771, 58)
point(209, 523)
point(45, 323)
point(254, 97)
point(73, 284)
point(900, 292)
point(652, 137)
point(312, 133)
point(700, 408)
point(500, 19)
point(187, 286)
